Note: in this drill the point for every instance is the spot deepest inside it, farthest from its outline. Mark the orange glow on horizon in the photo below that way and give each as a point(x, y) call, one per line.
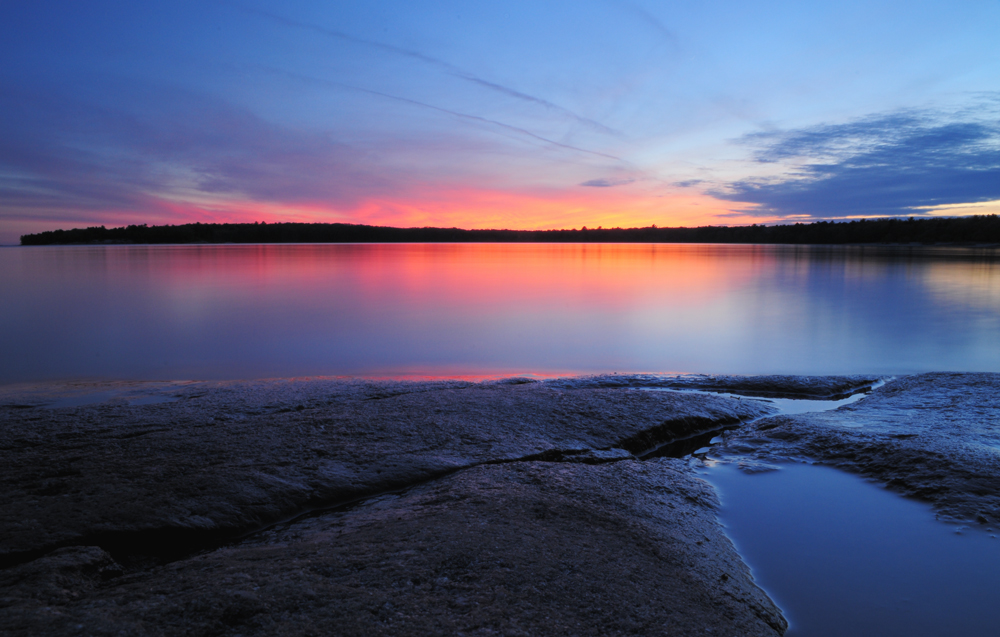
point(456, 207)
point(473, 209)
point(460, 207)
point(597, 207)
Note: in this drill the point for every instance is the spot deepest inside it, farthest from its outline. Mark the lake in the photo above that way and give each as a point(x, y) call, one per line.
point(255, 311)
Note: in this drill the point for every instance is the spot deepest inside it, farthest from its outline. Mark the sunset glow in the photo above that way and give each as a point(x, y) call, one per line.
point(449, 207)
point(538, 210)
point(525, 117)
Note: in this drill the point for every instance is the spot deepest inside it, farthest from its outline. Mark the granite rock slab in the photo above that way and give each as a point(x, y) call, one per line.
point(357, 507)
point(523, 548)
point(224, 459)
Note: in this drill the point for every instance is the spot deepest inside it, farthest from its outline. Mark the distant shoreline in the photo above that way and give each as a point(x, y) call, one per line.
point(981, 230)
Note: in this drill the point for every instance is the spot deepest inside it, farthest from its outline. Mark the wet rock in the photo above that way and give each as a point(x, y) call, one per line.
point(516, 549)
point(811, 387)
point(151, 482)
point(935, 437)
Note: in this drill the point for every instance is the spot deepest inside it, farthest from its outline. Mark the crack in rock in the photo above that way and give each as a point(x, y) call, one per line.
point(152, 468)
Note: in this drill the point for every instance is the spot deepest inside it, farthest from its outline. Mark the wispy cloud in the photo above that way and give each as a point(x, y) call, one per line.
point(465, 116)
point(888, 164)
point(57, 152)
point(649, 20)
point(447, 67)
point(606, 183)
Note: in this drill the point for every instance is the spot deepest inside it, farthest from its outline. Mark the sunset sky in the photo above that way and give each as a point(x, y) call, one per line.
point(490, 115)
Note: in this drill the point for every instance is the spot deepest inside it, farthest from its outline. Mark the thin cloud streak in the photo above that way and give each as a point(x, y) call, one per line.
point(649, 19)
point(466, 116)
point(169, 143)
point(606, 183)
point(451, 69)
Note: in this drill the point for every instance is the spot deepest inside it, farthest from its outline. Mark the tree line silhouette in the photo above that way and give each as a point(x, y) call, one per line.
point(978, 229)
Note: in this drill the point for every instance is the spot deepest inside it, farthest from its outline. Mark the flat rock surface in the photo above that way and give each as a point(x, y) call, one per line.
point(523, 548)
point(326, 506)
point(935, 437)
point(224, 459)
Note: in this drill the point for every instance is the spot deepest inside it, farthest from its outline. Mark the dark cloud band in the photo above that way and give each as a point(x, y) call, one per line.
point(884, 165)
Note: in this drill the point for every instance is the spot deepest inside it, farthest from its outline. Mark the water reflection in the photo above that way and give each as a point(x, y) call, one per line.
point(168, 312)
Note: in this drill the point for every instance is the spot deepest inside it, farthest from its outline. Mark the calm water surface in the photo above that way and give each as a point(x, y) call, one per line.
point(842, 556)
point(246, 311)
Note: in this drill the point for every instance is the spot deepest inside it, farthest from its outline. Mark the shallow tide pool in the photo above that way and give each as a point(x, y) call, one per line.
point(842, 556)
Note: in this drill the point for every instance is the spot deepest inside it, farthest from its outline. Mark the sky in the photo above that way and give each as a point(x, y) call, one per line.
point(495, 115)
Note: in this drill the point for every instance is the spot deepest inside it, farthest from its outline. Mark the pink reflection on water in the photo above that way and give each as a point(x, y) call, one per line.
point(483, 310)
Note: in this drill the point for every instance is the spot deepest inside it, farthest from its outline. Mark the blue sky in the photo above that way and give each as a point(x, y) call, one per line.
point(521, 115)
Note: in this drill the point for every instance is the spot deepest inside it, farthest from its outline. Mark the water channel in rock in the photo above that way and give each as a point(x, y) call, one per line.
point(841, 555)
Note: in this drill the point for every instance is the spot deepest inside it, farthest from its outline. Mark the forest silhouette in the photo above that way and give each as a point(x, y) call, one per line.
point(981, 229)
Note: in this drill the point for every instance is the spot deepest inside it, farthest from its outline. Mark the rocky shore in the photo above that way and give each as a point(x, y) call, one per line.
point(934, 437)
point(386, 507)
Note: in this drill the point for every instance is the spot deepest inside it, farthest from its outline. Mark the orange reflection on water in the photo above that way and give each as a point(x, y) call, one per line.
point(613, 277)
point(482, 310)
point(609, 276)
point(975, 284)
